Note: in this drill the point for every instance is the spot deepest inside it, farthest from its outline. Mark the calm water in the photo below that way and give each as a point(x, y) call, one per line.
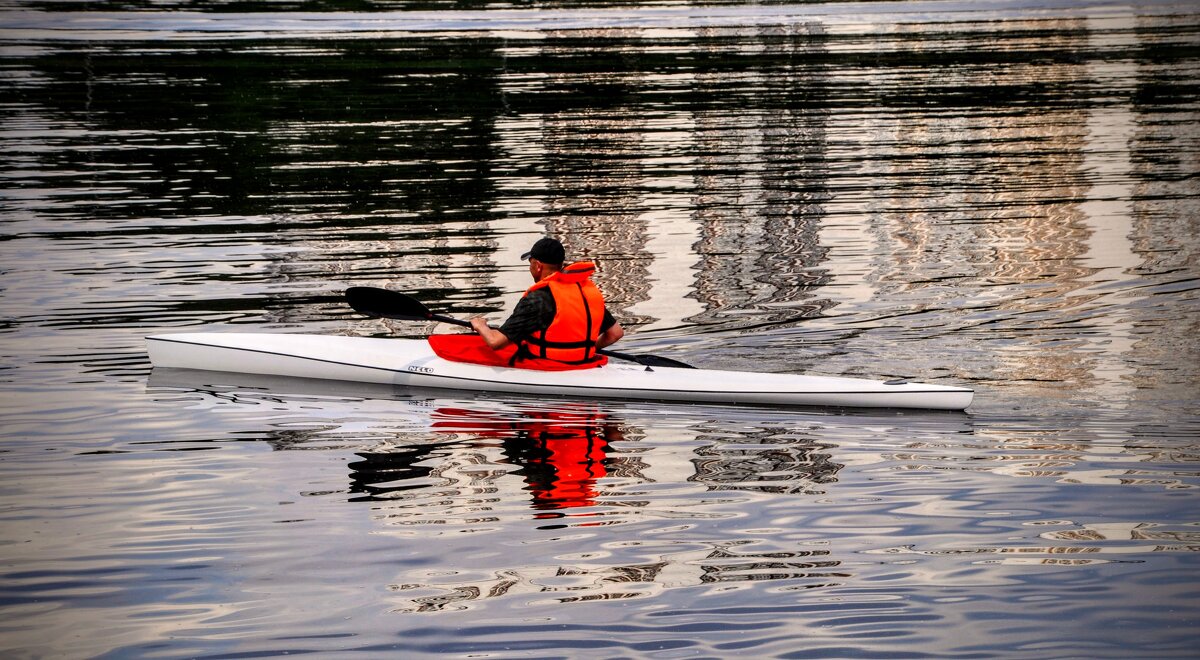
point(1002, 195)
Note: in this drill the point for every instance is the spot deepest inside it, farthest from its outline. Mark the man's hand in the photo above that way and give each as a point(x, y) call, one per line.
point(491, 336)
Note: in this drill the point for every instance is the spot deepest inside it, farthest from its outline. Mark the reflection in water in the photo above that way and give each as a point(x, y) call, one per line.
point(771, 459)
point(477, 506)
point(591, 581)
point(446, 469)
point(586, 464)
point(380, 476)
point(560, 453)
point(450, 468)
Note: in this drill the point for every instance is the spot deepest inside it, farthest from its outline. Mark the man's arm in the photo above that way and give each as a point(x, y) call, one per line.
point(532, 313)
point(610, 331)
point(491, 336)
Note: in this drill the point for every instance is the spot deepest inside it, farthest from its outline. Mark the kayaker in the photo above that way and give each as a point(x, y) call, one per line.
point(562, 317)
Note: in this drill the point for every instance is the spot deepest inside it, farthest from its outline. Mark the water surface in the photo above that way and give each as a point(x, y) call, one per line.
point(1001, 196)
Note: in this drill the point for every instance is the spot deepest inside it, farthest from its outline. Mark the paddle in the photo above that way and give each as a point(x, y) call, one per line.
point(382, 303)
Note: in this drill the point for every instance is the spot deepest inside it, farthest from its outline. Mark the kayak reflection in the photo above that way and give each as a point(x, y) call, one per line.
point(560, 453)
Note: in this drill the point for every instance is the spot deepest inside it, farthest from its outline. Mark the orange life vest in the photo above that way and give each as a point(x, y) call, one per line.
point(579, 311)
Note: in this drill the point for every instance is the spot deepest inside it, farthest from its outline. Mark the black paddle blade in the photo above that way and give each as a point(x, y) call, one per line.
point(648, 360)
point(384, 304)
point(660, 361)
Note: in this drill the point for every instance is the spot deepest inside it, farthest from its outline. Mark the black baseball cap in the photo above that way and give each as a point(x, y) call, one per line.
point(548, 251)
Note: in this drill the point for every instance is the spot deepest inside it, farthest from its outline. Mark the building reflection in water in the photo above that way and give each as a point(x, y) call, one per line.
point(733, 185)
point(701, 205)
point(737, 193)
point(766, 460)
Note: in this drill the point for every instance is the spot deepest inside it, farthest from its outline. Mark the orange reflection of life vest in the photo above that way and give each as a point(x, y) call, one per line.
point(579, 311)
point(561, 452)
point(575, 461)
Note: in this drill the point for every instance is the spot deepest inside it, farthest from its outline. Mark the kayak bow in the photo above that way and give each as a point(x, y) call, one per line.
point(412, 363)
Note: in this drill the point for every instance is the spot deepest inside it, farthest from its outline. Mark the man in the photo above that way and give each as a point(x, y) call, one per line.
point(562, 317)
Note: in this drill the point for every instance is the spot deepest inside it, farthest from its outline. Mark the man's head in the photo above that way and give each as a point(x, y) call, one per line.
point(545, 258)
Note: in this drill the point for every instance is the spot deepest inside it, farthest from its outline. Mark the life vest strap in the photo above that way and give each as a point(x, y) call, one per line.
point(523, 353)
point(583, 343)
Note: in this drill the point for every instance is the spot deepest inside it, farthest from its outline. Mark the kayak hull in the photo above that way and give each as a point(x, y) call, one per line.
point(411, 363)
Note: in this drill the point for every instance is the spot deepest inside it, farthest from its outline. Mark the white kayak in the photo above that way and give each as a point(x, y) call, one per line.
point(412, 363)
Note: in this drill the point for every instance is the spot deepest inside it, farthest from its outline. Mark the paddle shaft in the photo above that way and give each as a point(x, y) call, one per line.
point(449, 319)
